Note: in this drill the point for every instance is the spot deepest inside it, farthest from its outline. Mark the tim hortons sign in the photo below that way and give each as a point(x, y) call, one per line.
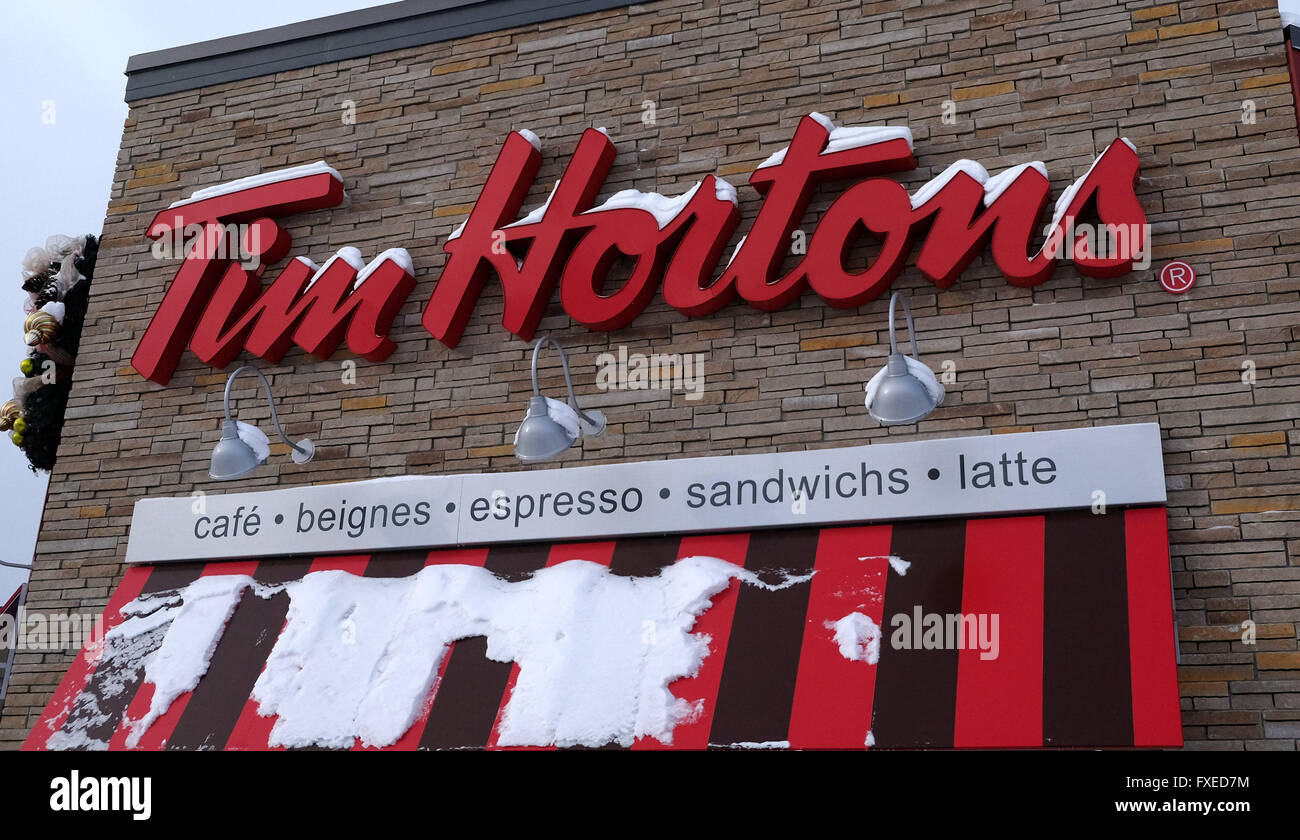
point(217, 305)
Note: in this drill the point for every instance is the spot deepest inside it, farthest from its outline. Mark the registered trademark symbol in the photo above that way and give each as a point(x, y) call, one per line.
point(1177, 277)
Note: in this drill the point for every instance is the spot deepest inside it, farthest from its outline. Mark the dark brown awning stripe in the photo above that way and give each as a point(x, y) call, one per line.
point(1087, 692)
point(95, 698)
point(465, 705)
point(757, 687)
point(397, 564)
point(644, 556)
point(215, 705)
point(916, 690)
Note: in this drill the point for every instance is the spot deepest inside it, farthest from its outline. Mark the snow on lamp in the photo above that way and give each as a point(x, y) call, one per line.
point(905, 390)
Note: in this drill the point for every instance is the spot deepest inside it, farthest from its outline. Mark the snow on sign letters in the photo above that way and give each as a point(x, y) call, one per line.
point(217, 306)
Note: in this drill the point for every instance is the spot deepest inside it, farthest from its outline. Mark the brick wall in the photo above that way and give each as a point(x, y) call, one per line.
point(1051, 81)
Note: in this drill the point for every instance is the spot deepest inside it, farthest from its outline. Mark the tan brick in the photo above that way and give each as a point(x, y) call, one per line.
point(1288, 660)
point(983, 91)
point(510, 84)
point(445, 210)
point(364, 403)
point(1183, 249)
point(492, 451)
point(1163, 10)
point(1200, 27)
point(457, 66)
point(92, 511)
point(877, 100)
point(1214, 673)
point(834, 342)
point(1258, 439)
point(1174, 72)
point(151, 181)
point(1271, 80)
point(1255, 504)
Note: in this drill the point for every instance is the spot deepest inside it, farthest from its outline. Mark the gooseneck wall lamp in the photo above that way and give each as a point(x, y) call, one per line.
point(234, 456)
point(550, 426)
point(905, 390)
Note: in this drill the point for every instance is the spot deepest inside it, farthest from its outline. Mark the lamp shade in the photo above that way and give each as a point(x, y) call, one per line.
point(900, 397)
point(231, 457)
point(905, 390)
point(540, 437)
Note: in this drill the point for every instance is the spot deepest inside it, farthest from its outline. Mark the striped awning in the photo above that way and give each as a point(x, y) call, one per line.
point(1086, 649)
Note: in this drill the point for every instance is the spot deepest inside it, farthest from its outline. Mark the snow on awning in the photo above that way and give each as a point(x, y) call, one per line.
point(1019, 631)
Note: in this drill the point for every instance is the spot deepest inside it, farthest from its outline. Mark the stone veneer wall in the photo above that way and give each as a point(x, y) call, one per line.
point(1030, 80)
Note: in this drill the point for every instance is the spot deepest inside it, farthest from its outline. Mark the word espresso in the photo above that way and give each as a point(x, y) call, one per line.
point(673, 245)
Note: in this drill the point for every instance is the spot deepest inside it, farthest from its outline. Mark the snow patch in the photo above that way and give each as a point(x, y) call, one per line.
point(181, 661)
point(858, 638)
point(898, 564)
point(397, 255)
point(663, 208)
point(358, 656)
point(530, 137)
point(996, 185)
point(351, 256)
point(596, 651)
point(256, 440)
point(931, 188)
point(259, 180)
point(848, 137)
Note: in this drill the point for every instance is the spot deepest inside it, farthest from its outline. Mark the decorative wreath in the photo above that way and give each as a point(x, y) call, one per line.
point(57, 281)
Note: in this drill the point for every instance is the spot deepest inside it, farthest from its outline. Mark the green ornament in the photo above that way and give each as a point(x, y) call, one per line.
point(27, 367)
point(17, 439)
point(20, 426)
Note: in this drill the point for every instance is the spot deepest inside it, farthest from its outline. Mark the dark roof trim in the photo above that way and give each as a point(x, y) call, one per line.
point(349, 35)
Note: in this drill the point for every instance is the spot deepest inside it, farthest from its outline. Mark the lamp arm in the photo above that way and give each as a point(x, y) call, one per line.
point(911, 329)
point(564, 362)
point(275, 418)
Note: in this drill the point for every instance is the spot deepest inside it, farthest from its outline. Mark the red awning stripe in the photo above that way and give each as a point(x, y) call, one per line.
point(1000, 699)
point(834, 696)
point(1156, 720)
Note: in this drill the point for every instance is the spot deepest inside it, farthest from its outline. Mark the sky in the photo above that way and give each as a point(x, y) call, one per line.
point(63, 64)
